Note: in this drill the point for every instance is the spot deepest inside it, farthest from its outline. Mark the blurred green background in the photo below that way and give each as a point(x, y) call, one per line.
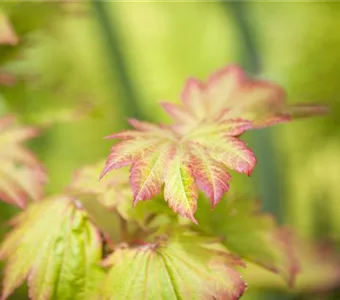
point(80, 69)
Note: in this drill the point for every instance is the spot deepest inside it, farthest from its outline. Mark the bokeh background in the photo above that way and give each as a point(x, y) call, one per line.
point(79, 69)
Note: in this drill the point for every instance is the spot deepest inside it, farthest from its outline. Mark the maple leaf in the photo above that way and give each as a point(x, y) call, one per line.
point(54, 247)
point(253, 235)
point(183, 267)
point(21, 174)
point(183, 162)
point(228, 93)
point(196, 151)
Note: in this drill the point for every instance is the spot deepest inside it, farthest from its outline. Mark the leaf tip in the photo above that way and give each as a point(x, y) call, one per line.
point(103, 173)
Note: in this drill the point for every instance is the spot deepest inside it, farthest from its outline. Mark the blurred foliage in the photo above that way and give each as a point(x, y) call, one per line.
point(60, 70)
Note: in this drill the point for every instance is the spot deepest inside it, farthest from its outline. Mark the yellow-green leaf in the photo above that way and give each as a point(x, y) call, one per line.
point(57, 249)
point(184, 267)
point(180, 190)
point(252, 235)
point(21, 174)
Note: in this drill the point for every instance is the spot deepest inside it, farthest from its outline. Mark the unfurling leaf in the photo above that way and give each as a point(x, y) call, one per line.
point(56, 248)
point(196, 151)
point(183, 267)
point(253, 235)
point(21, 174)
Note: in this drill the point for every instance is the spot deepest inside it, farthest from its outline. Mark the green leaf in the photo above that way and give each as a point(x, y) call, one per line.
point(57, 249)
point(252, 235)
point(183, 267)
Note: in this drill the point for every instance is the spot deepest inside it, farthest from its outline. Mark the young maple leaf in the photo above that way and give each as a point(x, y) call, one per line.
point(183, 267)
point(196, 151)
point(228, 93)
point(21, 174)
point(184, 163)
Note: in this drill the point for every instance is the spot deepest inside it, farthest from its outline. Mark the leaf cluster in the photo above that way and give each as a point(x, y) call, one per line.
point(89, 242)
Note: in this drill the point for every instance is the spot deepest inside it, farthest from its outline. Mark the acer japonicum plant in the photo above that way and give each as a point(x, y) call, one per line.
point(92, 241)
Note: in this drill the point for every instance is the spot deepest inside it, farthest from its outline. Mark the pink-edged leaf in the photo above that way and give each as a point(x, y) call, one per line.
point(230, 151)
point(256, 96)
point(147, 173)
point(180, 267)
point(180, 190)
point(17, 135)
point(193, 98)
point(218, 129)
point(212, 116)
point(211, 176)
point(237, 156)
point(126, 152)
point(20, 154)
point(259, 101)
point(221, 88)
point(10, 193)
point(153, 163)
point(26, 179)
point(178, 113)
point(21, 174)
